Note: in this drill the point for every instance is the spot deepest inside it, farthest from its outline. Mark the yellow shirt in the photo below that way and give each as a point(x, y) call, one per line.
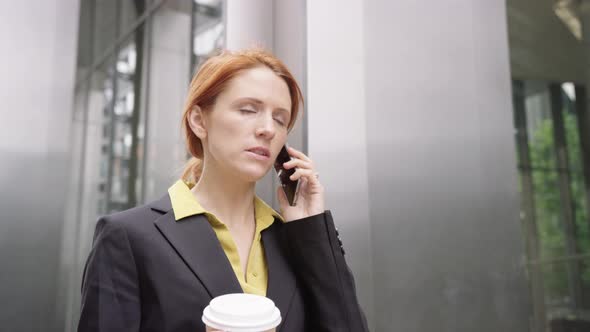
point(185, 204)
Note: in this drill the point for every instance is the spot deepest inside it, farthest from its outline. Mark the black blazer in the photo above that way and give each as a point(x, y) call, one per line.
point(148, 272)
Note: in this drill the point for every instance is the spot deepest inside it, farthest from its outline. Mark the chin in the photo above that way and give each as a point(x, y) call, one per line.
point(253, 174)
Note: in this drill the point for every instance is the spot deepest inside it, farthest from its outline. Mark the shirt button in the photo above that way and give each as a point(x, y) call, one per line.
point(255, 274)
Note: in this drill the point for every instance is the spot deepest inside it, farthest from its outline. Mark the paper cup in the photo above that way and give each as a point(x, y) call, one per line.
point(241, 313)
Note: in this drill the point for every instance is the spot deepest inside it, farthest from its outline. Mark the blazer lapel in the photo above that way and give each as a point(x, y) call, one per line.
point(195, 241)
point(281, 280)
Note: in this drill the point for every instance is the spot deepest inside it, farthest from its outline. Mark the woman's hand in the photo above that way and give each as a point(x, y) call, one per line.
point(310, 200)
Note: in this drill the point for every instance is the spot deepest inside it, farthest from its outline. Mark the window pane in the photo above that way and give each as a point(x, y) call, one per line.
point(548, 213)
point(539, 125)
point(570, 118)
point(125, 139)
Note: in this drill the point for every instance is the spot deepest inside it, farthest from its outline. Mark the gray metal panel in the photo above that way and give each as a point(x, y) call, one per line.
point(36, 89)
point(337, 129)
point(447, 247)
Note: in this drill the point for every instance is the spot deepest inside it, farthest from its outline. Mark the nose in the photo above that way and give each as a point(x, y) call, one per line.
point(266, 127)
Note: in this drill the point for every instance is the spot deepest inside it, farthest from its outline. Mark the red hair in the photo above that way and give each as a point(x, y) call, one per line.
point(212, 78)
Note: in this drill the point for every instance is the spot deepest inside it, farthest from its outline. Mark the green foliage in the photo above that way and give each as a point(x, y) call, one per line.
point(548, 205)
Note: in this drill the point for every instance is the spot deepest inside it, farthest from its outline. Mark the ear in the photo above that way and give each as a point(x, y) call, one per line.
point(196, 121)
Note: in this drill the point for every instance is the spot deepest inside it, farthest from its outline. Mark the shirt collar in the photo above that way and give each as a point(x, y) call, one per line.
point(184, 204)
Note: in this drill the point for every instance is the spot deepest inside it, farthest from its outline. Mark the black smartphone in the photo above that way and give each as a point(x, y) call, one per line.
point(290, 187)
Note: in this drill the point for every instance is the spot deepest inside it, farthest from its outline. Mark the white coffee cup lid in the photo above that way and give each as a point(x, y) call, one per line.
point(242, 313)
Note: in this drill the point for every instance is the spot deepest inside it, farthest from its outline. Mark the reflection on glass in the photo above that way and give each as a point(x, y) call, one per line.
point(125, 135)
point(208, 30)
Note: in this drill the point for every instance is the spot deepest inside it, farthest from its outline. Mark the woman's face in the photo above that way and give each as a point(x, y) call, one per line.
point(253, 111)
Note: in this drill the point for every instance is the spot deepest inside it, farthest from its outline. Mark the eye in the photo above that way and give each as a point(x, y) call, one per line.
point(280, 122)
point(247, 110)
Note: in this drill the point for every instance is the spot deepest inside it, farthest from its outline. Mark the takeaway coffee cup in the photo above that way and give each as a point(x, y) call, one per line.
point(241, 313)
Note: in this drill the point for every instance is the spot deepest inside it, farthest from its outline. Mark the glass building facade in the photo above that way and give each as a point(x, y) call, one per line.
point(135, 61)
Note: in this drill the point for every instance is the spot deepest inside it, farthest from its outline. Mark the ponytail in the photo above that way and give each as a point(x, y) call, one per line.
point(192, 170)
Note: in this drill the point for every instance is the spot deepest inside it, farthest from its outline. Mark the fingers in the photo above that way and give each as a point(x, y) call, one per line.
point(300, 160)
point(304, 167)
point(298, 154)
point(298, 163)
point(309, 174)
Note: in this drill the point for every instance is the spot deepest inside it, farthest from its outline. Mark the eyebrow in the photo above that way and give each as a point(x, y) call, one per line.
point(257, 102)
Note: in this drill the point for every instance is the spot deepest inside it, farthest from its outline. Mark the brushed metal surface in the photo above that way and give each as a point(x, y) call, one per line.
point(36, 89)
point(447, 243)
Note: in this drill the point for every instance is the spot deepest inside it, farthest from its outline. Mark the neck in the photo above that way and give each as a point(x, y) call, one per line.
point(229, 198)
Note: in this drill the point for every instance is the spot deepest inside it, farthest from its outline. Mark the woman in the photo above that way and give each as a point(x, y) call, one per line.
point(157, 266)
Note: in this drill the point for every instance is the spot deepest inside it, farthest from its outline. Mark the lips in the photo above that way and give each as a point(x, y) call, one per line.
point(260, 150)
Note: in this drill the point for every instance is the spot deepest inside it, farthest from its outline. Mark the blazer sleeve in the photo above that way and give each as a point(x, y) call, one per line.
point(110, 290)
point(317, 257)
